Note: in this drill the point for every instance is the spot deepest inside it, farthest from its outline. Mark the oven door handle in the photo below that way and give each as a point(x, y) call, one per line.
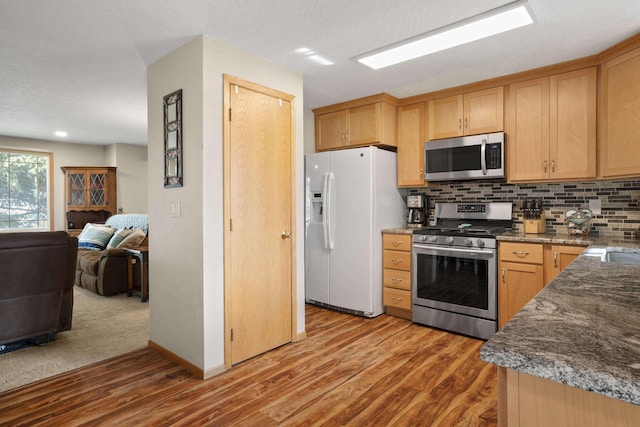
point(439, 250)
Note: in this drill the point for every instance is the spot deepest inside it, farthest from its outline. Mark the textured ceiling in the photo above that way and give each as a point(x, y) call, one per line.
point(81, 65)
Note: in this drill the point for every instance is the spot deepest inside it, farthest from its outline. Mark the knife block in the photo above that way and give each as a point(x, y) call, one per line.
point(535, 226)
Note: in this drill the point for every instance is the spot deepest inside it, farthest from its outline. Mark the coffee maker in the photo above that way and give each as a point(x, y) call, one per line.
point(416, 210)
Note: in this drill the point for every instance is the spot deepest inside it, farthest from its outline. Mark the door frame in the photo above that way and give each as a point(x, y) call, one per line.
point(228, 81)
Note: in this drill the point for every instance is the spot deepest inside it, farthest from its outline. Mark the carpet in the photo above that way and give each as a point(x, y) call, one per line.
point(103, 327)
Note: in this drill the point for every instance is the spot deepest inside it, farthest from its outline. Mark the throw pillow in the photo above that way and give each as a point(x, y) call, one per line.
point(133, 240)
point(95, 236)
point(118, 237)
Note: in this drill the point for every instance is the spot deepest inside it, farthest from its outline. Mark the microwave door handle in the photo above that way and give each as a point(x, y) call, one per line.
point(483, 159)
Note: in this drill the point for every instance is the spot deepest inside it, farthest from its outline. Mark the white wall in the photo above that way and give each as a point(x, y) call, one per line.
point(187, 272)
point(309, 132)
point(131, 161)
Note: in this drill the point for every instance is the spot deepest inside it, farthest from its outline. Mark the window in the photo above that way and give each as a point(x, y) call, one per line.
point(25, 190)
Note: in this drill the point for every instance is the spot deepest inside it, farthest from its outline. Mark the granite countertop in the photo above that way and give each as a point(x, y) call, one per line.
point(566, 239)
point(582, 330)
point(400, 230)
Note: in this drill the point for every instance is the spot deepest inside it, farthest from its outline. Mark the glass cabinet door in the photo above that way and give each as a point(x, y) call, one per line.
point(77, 189)
point(97, 195)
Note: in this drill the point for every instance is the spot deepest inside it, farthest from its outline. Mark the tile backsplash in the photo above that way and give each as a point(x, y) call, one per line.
point(620, 200)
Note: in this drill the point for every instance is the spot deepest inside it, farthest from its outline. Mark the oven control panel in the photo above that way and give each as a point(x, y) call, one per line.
point(472, 208)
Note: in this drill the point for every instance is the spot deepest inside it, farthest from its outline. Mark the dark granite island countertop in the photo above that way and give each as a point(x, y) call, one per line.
point(582, 330)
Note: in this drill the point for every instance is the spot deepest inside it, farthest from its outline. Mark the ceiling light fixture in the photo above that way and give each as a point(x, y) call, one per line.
point(496, 21)
point(313, 56)
point(61, 134)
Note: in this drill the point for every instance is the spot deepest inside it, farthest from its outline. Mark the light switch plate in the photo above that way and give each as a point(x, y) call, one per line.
point(595, 205)
point(174, 208)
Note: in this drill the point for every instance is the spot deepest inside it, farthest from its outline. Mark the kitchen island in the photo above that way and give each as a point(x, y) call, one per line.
point(571, 356)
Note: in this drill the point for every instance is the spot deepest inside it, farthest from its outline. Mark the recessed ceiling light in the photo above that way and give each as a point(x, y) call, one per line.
point(61, 134)
point(496, 21)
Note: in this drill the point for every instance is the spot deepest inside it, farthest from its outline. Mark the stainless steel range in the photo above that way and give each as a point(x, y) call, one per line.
point(455, 270)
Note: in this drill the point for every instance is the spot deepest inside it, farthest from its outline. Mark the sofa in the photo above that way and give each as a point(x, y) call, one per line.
point(103, 259)
point(36, 289)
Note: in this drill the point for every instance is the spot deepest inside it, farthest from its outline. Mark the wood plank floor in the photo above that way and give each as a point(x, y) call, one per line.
point(349, 371)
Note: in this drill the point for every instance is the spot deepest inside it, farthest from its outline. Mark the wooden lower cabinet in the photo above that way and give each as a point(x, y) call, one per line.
point(524, 269)
point(525, 400)
point(518, 284)
point(556, 259)
point(396, 276)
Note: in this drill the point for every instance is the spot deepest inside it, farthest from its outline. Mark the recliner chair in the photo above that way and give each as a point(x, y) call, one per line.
point(37, 272)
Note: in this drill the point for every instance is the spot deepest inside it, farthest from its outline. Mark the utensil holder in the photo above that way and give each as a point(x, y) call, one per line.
point(535, 226)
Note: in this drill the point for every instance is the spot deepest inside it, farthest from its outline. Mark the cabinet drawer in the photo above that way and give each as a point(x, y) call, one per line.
point(397, 260)
point(397, 298)
point(399, 279)
point(530, 253)
point(398, 242)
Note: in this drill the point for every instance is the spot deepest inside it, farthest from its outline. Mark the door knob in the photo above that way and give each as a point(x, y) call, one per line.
point(285, 235)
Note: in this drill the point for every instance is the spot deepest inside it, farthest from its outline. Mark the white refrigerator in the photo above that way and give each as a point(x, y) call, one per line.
point(351, 195)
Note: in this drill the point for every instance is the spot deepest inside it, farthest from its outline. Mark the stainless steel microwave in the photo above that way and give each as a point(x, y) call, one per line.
point(467, 157)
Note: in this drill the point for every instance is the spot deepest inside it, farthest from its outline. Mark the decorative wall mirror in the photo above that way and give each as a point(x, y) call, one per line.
point(173, 139)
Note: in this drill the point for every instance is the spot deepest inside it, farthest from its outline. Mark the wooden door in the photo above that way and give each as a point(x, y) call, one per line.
point(518, 284)
point(411, 138)
point(620, 93)
point(572, 124)
point(445, 117)
point(484, 111)
point(529, 130)
point(259, 253)
point(332, 130)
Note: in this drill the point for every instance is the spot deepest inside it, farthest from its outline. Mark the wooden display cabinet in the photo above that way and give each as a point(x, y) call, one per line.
point(90, 195)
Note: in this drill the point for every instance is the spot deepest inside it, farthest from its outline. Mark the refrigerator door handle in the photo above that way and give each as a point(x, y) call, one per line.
point(325, 208)
point(327, 213)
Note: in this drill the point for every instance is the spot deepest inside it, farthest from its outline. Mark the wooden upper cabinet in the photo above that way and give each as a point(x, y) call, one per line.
point(411, 138)
point(528, 130)
point(445, 117)
point(484, 111)
point(331, 130)
point(467, 114)
point(620, 121)
point(372, 123)
point(551, 132)
point(572, 121)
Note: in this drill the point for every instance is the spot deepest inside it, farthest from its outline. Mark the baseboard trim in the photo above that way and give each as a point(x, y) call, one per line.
point(197, 372)
point(301, 336)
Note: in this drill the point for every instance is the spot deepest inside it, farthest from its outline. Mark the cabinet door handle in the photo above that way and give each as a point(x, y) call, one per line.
point(396, 261)
point(504, 270)
point(396, 280)
point(396, 243)
point(466, 123)
point(555, 260)
point(459, 124)
point(545, 165)
point(521, 253)
point(396, 299)
point(553, 165)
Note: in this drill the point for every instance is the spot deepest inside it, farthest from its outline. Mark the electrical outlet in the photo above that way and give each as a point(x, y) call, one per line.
point(595, 205)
